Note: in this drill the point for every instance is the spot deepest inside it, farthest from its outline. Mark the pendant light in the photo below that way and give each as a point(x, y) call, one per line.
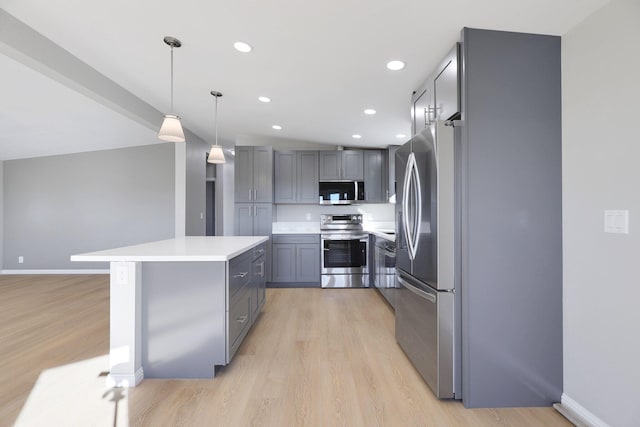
point(216, 155)
point(171, 129)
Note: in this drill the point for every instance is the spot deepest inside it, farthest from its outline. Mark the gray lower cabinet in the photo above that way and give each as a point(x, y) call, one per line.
point(255, 219)
point(374, 184)
point(296, 177)
point(246, 295)
point(296, 258)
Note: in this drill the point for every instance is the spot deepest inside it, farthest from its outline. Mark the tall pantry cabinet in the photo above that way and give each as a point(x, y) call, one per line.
point(253, 212)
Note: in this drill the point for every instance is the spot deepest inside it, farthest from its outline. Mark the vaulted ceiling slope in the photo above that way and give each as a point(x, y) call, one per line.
point(321, 63)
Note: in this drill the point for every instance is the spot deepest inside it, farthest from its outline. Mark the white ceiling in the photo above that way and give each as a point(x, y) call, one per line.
point(322, 63)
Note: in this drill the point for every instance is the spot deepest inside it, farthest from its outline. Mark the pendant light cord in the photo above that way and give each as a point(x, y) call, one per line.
point(216, 119)
point(172, 112)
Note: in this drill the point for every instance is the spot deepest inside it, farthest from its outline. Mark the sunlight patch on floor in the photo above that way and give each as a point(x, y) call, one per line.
point(75, 395)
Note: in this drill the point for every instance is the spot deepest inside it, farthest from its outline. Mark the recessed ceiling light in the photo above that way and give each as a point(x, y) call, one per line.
point(395, 65)
point(401, 135)
point(356, 136)
point(277, 127)
point(242, 47)
point(264, 99)
point(370, 111)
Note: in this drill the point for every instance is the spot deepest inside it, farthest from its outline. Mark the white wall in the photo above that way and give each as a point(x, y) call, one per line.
point(374, 212)
point(281, 143)
point(225, 190)
point(601, 148)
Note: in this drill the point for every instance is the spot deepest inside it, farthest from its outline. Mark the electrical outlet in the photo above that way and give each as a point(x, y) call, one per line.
point(308, 216)
point(20, 259)
point(121, 275)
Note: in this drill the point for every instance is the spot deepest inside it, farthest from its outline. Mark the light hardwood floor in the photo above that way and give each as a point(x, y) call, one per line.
point(316, 357)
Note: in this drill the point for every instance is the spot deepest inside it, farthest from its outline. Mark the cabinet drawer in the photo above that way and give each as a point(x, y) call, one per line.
point(239, 319)
point(258, 251)
point(296, 238)
point(239, 272)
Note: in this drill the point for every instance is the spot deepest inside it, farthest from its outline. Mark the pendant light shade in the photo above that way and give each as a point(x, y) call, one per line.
point(171, 129)
point(216, 155)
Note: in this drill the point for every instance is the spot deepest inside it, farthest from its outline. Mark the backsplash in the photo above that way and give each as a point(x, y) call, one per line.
point(371, 212)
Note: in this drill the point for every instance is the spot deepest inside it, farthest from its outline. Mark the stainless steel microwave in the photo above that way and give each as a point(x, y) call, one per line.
point(341, 192)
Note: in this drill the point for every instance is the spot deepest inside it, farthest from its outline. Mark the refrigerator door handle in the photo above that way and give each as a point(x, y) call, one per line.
point(421, 293)
point(418, 216)
point(416, 210)
point(405, 206)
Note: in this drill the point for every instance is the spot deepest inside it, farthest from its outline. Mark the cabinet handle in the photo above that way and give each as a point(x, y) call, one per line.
point(242, 319)
point(250, 194)
point(255, 194)
point(241, 275)
point(255, 211)
point(261, 274)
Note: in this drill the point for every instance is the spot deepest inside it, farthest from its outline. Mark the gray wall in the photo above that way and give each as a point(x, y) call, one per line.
point(61, 205)
point(1, 212)
point(600, 156)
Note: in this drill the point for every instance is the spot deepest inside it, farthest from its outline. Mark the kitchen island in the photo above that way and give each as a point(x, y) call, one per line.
point(182, 306)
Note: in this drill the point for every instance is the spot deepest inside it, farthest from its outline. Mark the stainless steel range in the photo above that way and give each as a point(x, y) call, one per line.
point(344, 251)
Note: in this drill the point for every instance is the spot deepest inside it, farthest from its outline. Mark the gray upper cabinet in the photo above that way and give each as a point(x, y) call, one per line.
point(342, 164)
point(422, 107)
point(330, 165)
point(307, 177)
point(244, 174)
point(446, 92)
point(352, 165)
point(390, 173)
point(374, 183)
point(254, 174)
point(296, 177)
point(285, 176)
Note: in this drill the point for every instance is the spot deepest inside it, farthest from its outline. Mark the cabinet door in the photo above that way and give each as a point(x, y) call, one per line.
point(263, 174)
point(446, 94)
point(262, 219)
point(284, 265)
point(353, 165)
point(391, 174)
point(422, 108)
point(307, 177)
point(243, 171)
point(243, 213)
point(373, 176)
point(330, 165)
point(285, 176)
point(257, 286)
point(307, 262)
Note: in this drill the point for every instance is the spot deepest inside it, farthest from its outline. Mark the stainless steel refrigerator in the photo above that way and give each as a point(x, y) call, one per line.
point(427, 304)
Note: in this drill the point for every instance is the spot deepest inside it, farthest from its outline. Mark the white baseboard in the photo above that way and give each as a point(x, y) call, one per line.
point(578, 414)
point(125, 380)
point(101, 271)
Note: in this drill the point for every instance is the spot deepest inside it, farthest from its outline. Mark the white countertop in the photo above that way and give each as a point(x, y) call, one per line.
point(381, 233)
point(191, 248)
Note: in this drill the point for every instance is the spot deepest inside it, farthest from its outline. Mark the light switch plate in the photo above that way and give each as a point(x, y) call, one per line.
point(616, 221)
